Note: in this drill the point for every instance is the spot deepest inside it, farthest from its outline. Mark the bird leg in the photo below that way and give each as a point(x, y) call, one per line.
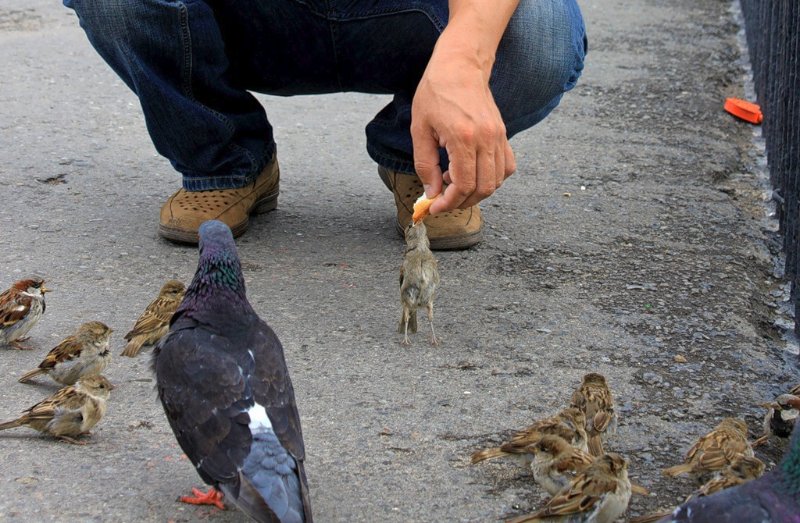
point(404, 327)
point(434, 339)
point(212, 497)
point(760, 441)
point(19, 346)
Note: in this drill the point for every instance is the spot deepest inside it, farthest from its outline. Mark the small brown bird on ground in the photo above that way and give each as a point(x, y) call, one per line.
point(599, 494)
point(740, 471)
point(419, 277)
point(69, 413)
point(154, 321)
point(555, 462)
point(21, 307)
point(716, 450)
point(84, 353)
point(568, 424)
point(594, 398)
point(781, 416)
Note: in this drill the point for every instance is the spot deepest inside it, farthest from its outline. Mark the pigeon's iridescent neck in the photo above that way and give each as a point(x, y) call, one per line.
point(218, 273)
point(790, 465)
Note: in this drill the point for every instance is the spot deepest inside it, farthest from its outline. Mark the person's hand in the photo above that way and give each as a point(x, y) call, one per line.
point(454, 108)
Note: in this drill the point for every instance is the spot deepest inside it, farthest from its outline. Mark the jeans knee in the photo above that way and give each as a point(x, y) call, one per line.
point(540, 56)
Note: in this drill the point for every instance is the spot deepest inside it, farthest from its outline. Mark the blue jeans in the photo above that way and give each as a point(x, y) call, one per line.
point(192, 63)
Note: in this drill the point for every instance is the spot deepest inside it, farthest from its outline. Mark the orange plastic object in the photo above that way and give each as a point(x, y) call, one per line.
point(422, 207)
point(747, 111)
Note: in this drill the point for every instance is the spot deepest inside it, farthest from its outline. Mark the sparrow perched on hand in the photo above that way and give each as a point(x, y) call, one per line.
point(567, 424)
point(740, 471)
point(419, 277)
point(555, 462)
point(599, 494)
point(154, 321)
point(84, 353)
point(222, 379)
point(716, 450)
point(21, 307)
point(772, 498)
point(594, 398)
point(69, 413)
point(781, 416)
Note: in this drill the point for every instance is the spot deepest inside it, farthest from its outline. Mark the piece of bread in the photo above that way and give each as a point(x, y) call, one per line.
point(422, 207)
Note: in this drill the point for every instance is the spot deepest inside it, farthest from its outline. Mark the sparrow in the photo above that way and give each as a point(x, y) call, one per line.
point(69, 413)
point(84, 353)
point(594, 398)
point(555, 462)
point(772, 498)
point(716, 450)
point(740, 471)
point(154, 321)
point(21, 307)
point(599, 494)
point(567, 424)
point(222, 379)
point(419, 277)
point(780, 417)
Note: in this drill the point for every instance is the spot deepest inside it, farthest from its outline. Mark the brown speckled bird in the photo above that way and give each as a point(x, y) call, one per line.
point(419, 277)
point(594, 398)
point(781, 416)
point(740, 471)
point(84, 353)
point(599, 494)
point(21, 307)
point(69, 413)
point(555, 462)
point(153, 324)
point(715, 450)
point(567, 424)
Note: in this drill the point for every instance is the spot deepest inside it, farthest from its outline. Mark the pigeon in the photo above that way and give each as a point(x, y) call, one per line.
point(772, 498)
point(21, 307)
point(419, 277)
point(154, 321)
point(222, 379)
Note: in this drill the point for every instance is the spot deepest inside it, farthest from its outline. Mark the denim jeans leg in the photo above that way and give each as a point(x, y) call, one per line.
point(539, 58)
point(172, 55)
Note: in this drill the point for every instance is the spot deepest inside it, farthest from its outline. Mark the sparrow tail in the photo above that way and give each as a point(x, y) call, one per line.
point(11, 424)
point(595, 446)
point(133, 346)
point(30, 374)
point(677, 470)
point(487, 454)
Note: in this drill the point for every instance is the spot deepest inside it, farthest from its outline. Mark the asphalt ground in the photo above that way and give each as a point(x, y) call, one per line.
point(634, 231)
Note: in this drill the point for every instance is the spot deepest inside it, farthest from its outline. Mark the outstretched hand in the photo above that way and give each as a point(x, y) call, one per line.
point(453, 108)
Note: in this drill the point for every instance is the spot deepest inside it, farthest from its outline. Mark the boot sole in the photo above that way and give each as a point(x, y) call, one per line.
point(267, 203)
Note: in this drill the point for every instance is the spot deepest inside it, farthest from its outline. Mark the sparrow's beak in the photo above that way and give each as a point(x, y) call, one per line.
point(793, 402)
point(771, 405)
point(44, 290)
point(111, 386)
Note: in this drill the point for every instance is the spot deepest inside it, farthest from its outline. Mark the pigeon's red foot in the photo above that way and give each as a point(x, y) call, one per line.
point(212, 497)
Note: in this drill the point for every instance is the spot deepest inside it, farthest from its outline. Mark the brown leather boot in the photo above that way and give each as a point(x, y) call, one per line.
point(452, 230)
point(183, 213)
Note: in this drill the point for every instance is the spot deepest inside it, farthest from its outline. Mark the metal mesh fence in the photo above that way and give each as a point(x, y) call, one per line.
point(773, 38)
